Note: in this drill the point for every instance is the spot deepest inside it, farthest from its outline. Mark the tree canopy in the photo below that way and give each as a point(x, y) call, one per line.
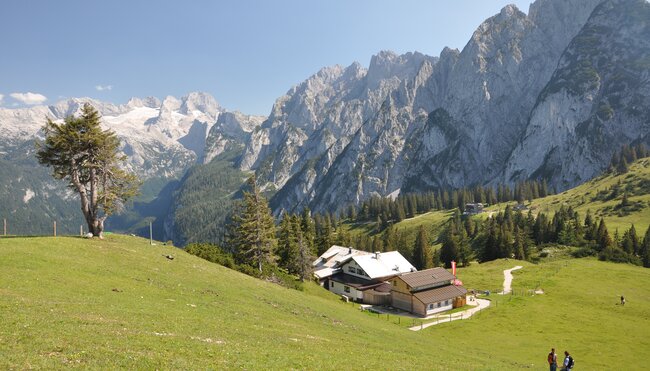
point(87, 157)
point(252, 230)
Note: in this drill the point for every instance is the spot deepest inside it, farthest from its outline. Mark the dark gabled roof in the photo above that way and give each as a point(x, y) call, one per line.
point(356, 282)
point(440, 294)
point(428, 277)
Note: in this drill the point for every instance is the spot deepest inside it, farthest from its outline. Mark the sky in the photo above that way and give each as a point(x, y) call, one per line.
point(245, 53)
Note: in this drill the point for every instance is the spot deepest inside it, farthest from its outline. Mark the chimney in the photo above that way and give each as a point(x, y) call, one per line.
point(377, 254)
point(349, 250)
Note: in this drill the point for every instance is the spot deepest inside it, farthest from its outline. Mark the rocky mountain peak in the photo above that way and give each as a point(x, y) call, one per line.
point(200, 102)
point(170, 104)
point(149, 102)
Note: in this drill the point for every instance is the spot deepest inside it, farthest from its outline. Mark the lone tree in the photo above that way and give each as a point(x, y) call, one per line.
point(80, 152)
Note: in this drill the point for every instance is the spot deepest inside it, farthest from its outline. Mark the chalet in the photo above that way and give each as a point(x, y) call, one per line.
point(426, 292)
point(327, 264)
point(472, 209)
point(364, 277)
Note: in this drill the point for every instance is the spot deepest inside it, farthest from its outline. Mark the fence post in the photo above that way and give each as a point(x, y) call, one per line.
point(81, 230)
point(55, 228)
point(150, 234)
point(4, 227)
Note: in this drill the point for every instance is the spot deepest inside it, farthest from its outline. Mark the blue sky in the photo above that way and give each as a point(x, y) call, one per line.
point(245, 53)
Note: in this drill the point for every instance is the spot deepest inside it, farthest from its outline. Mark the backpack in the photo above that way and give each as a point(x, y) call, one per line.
point(571, 362)
point(550, 358)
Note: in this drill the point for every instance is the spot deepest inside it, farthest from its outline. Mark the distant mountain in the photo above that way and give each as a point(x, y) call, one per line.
point(161, 140)
point(597, 100)
point(550, 94)
point(413, 122)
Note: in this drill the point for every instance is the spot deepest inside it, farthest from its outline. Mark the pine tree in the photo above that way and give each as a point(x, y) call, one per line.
point(308, 228)
point(304, 255)
point(252, 231)
point(630, 243)
point(604, 240)
point(83, 154)
point(645, 249)
point(421, 251)
point(287, 250)
point(324, 236)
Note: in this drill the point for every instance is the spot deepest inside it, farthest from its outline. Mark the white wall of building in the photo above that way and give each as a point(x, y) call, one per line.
point(340, 289)
point(439, 307)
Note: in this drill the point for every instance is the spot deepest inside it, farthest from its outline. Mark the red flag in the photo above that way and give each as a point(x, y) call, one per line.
point(453, 268)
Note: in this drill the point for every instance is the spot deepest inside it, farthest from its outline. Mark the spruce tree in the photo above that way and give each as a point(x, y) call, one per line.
point(645, 249)
point(324, 238)
point(304, 254)
point(287, 250)
point(252, 231)
point(449, 250)
point(421, 251)
point(604, 240)
point(308, 229)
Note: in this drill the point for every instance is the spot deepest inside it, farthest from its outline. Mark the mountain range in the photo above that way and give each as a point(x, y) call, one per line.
point(546, 95)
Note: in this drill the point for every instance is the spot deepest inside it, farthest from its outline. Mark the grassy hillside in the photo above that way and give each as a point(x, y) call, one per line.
point(601, 195)
point(121, 303)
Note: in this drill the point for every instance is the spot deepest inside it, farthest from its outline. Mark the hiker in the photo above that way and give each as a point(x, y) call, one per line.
point(568, 361)
point(552, 360)
point(622, 300)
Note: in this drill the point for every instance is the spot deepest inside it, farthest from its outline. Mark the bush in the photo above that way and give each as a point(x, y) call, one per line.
point(583, 252)
point(618, 256)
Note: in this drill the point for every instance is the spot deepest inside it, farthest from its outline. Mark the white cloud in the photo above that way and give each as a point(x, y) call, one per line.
point(103, 87)
point(1, 96)
point(29, 98)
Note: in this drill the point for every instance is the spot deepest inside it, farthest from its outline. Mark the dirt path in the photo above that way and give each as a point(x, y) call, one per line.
point(442, 318)
point(507, 280)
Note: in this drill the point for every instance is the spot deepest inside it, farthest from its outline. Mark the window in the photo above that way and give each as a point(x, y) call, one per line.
point(446, 302)
point(331, 283)
point(346, 289)
point(438, 304)
point(430, 306)
point(351, 269)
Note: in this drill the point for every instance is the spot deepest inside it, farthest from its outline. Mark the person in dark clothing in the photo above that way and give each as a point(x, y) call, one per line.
point(568, 361)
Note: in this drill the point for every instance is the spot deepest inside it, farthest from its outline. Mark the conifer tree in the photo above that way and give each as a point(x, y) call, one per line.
point(287, 250)
point(252, 231)
point(449, 250)
point(645, 249)
point(308, 229)
point(324, 236)
point(83, 154)
point(604, 240)
point(304, 257)
point(421, 251)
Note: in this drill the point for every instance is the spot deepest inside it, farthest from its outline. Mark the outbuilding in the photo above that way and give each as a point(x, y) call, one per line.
point(427, 292)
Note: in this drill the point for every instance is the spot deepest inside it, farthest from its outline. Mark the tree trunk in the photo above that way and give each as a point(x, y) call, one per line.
point(95, 226)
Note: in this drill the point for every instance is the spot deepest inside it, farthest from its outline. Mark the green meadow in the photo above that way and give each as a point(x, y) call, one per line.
point(120, 303)
point(603, 196)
